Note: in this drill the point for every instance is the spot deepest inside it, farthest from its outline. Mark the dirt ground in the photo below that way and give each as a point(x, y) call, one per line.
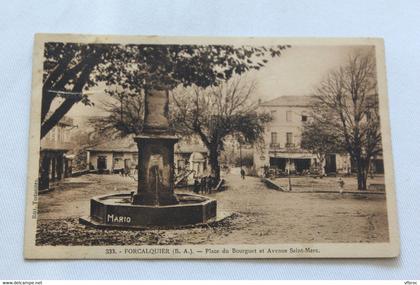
point(260, 215)
point(308, 184)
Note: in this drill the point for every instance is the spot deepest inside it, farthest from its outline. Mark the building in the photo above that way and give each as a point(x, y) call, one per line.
point(113, 155)
point(191, 161)
point(55, 163)
point(282, 149)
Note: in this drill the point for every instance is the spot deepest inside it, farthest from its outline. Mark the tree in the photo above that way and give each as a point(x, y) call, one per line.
point(67, 72)
point(70, 69)
point(320, 140)
point(125, 115)
point(347, 105)
point(218, 113)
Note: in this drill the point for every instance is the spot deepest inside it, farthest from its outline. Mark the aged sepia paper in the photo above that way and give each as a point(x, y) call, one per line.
point(209, 148)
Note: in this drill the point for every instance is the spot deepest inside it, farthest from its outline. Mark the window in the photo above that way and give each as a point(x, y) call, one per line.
point(52, 134)
point(181, 164)
point(304, 118)
point(289, 138)
point(60, 132)
point(289, 116)
point(273, 138)
point(101, 164)
point(118, 161)
point(273, 113)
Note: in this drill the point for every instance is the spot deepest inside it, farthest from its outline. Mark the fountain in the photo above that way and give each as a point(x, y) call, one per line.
point(155, 203)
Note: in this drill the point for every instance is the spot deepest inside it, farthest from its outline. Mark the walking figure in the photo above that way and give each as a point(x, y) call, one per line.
point(196, 188)
point(209, 184)
point(242, 173)
point(203, 185)
point(340, 185)
point(126, 170)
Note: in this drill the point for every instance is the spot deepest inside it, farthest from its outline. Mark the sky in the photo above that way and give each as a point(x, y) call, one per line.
point(296, 72)
point(299, 70)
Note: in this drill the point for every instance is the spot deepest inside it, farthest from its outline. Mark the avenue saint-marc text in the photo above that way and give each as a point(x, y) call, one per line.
point(214, 251)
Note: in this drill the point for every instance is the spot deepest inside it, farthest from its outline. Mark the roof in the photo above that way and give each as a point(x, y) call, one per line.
point(196, 156)
point(125, 144)
point(64, 121)
point(53, 145)
point(190, 148)
point(295, 101)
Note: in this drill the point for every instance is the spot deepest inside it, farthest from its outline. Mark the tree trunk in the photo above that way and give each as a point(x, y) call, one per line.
point(57, 116)
point(85, 68)
point(47, 96)
point(322, 166)
point(44, 179)
point(362, 173)
point(214, 163)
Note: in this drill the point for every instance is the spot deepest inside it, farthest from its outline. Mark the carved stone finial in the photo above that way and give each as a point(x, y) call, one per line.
point(156, 113)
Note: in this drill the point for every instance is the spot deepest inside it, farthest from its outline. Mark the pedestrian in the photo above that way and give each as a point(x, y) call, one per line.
point(209, 183)
point(242, 173)
point(126, 170)
point(203, 184)
point(196, 188)
point(340, 185)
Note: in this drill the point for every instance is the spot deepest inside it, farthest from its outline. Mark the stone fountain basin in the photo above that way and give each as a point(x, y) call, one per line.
point(116, 211)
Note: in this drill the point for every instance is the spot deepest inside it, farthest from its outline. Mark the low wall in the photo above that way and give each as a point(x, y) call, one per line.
point(271, 184)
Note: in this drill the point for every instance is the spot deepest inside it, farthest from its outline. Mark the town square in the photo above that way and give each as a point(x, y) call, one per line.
point(282, 216)
point(210, 145)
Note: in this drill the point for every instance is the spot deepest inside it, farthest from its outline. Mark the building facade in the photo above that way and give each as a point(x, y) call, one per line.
point(117, 155)
point(113, 156)
point(282, 148)
point(191, 161)
point(55, 163)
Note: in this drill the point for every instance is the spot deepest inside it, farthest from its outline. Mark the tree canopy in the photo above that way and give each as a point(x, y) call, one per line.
point(346, 104)
point(71, 69)
point(321, 140)
point(218, 113)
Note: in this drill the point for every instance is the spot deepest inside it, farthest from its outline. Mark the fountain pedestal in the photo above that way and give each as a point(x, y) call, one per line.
point(155, 170)
point(155, 203)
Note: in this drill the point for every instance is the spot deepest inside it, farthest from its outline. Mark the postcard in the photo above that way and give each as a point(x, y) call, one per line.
point(148, 147)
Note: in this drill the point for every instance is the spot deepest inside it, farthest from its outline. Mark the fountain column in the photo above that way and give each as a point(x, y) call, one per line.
point(156, 153)
point(155, 203)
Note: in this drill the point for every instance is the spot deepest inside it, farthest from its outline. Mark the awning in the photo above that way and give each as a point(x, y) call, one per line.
point(292, 155)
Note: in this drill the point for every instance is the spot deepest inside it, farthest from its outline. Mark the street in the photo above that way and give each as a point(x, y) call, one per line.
point(260, 215)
